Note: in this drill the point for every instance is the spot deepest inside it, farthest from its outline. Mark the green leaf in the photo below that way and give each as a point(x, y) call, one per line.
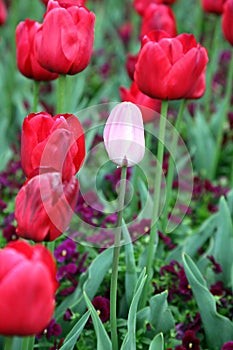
point(129, 341)
point(157, 343)
point(218, 329)
point(103, 340)
point(160, 315)
point(130, 274)
point(90, 282)
point(223, 242)
point(71, 338)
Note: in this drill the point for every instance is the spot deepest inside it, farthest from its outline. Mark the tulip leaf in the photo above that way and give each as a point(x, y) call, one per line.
point(223, 242)
point(202, 137)
point(157, 314)
point(90, 282)
point(129, 341)
point(71, 338)
point(157, 343)
point(103, 340)
point(130, 274)
point(211, 319)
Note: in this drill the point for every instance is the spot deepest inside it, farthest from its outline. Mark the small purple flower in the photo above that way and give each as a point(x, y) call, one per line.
point(190, 341)
point(102, 306)
point(9, 233)
point(67, 315)
point(65, 250)
point(53, 329)
point(227, 346)
point(66, 271)
point(216, 267)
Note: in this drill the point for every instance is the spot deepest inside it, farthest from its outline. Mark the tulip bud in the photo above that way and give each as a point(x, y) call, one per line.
point(124, 135)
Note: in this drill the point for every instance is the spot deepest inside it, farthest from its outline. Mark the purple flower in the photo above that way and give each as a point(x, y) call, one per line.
point(65, 271)
point(102, 306)
point(53, 329)
point(216, 267)
point(189, 341)
point(227, 346)
point(67, 315)
point(65, 250)
point(9, 233)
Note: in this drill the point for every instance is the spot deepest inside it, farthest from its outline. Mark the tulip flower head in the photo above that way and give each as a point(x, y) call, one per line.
point(27, 286)
point(227, 20)
point(124, 135)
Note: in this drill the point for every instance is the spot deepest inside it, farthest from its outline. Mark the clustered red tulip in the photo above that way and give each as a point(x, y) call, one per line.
point(141, 5)
point(52, 151)
point(44, 206)
point(158, 17)
point(227, 21)
point(73, 2)
point(3, 12)
point(54, 143)
point(171, 68)
point(213, 6)
point(124, 135)
point(63, 43)
point(25, 53)
point(27, 287)
point(135, 96)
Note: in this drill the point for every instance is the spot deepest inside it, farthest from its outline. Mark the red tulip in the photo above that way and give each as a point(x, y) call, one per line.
point(227, 21)
point(44, 206)
point(135, 96)
point(171, 68)
point(158, 17)
point(25, 54)
point(63, 44)
point(53, 143)
point(3, 12)
point(27, 287)
point(213, 6)
point(71, 2)
point(141, 5)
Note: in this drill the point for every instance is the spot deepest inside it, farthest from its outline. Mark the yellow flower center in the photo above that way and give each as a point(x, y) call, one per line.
point(64, 252)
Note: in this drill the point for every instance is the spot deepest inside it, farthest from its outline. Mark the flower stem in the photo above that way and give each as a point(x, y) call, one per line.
point(156, 201)
point(8, 343)
point(224, 112)
point(61, 94)
point(114, 277)
point(171, 164)
point(212, 66)
point(36, 87)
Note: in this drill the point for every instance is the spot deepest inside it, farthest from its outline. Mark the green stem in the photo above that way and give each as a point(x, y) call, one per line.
point(8, 343)
point(36, 87)
point(171, 163)
point(226, 106)
point(114, 277)
point(156, 201)
point(28, 343)
point(212, 66)
point(61, 94)
point(200, 21)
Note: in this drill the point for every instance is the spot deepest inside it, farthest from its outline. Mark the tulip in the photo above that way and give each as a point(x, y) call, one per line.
point(63, 44)
point(124, 135)
point(27, 287)
point(141, 5)
point(171, 68)
point(25, 54)
point(69, 2)
point(44, 206)
point(52, 143)
point(158, 17)
point(134, 95)
point(227, 20)
point(3, 12)
point(213, 6)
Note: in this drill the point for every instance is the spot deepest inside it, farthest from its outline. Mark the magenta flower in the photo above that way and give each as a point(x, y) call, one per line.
point(102, 306)
point(124, 135)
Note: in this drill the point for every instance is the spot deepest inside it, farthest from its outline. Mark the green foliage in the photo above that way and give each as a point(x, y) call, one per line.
point(213, 322)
